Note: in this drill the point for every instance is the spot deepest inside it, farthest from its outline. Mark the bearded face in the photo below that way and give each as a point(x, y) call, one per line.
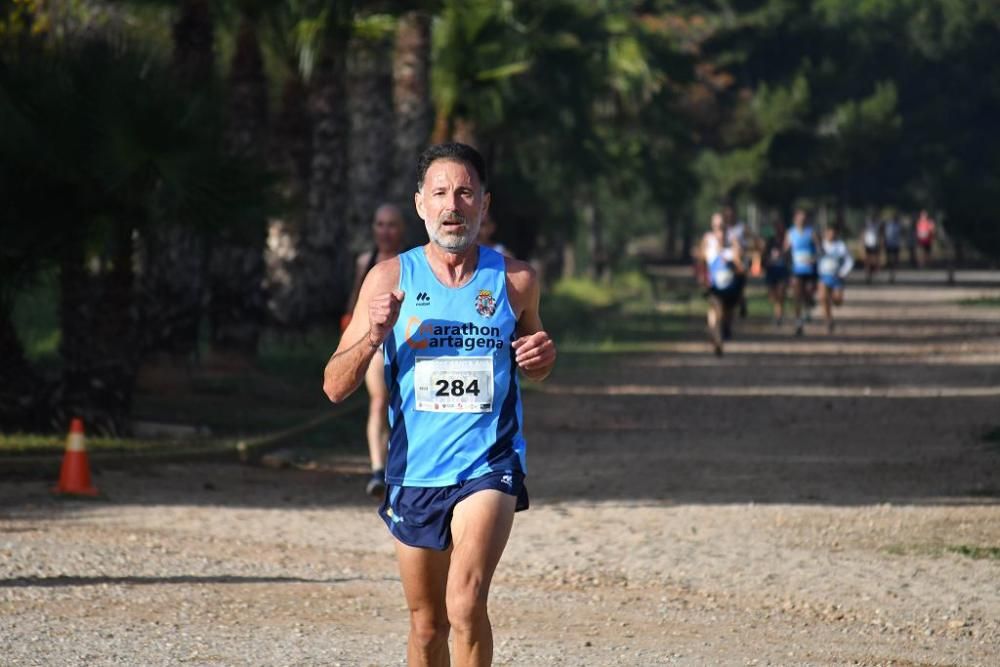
point(452, 203)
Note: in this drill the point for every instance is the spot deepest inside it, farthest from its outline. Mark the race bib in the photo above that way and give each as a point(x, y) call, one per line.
point(453, 384)
point(828, 266)
point(871, 238)
point(722, 278)
point(801, 257)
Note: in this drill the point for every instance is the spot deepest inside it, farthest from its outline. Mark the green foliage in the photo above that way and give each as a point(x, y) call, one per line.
point(863, 103)
point(36, 318)
point(975, 552)
point(585, 316)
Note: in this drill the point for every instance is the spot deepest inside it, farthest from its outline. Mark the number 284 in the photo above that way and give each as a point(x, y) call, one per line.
point(457, 388)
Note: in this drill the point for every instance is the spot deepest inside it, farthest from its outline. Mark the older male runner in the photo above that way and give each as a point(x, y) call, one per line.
point(455, 321)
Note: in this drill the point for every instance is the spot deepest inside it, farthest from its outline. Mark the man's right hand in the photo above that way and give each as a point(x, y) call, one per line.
point(383, 311)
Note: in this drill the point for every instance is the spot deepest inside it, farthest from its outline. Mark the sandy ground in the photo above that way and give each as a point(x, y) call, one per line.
point(819, 501)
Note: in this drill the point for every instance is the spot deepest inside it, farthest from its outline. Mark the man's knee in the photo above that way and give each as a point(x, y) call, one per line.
point(428, 629)
point(466, 606)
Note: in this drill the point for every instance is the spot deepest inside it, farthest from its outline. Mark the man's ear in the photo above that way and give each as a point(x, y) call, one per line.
point(418, 202)
point(486, 204)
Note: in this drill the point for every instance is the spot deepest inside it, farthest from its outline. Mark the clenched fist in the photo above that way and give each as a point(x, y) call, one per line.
point(383, 311)
point(534, 353)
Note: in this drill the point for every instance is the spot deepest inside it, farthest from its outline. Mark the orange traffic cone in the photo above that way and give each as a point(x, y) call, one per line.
point(74, 478)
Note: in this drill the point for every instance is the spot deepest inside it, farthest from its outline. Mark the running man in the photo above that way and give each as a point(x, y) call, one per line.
point(835, 263)
point(803, 243)
point(387, 230)
point(736, 232)
point(486, 232)
point(456, 321)
point(926, 229)
point(871, 238)
point(775, 260)
point(724, 267)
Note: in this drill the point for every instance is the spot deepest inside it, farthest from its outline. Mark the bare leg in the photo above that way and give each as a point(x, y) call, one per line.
point(714, 317)
point(424, 573)
point(825, 298)
point(799, 298)
point(480, 527)
point(777, 294)
point(377, 430)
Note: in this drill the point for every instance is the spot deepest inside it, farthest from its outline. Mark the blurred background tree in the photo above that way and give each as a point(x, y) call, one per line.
point(189, 176)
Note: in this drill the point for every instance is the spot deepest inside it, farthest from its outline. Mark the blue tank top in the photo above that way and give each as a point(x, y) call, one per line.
point(454, 402)
point(803, 250)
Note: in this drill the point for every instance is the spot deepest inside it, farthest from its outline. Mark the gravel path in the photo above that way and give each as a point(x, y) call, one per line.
point(707, 525)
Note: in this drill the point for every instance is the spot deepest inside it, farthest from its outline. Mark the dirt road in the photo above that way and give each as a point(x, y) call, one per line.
point(828, 500)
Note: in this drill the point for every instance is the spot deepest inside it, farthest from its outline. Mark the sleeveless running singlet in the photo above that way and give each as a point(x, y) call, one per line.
point(803, 250)
point(454, 402)
point(722, 272)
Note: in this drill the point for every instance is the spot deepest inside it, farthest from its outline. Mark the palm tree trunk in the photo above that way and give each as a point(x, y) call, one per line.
point(326, 267)
point(411, 97)
point(98, 344)
point(236, 263)
point(290, 157)
point(173, 276)
point(369, 102)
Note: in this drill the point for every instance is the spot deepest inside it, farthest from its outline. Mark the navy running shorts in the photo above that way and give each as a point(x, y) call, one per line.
point(421, 516)
point(775, 275)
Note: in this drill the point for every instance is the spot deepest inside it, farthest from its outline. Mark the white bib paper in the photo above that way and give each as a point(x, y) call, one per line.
point(828, 266)
point(802, 257)
point(453, 384)
point(723, 278)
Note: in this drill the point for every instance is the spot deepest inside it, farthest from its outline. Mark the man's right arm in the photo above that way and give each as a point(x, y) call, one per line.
point(374, 316)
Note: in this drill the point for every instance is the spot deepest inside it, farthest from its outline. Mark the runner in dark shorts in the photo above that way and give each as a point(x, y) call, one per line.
point(775, 259)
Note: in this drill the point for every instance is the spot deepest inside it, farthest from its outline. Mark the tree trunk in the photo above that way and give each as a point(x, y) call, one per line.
point(670, 236)
point(597, 260)
point(687, 237)
point(369, 102)
point(414, 113)
point(290, 157)
point(326, 267)
point(236, 263)
point(98, 344)
point(173, 272)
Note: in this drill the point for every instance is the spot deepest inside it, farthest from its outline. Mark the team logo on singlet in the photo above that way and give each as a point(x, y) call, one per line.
point(486, 305)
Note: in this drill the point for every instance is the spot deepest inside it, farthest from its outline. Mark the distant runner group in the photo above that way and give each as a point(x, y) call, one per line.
point(813, 264)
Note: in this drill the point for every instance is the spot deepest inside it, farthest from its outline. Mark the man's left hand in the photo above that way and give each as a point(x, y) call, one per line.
point(534, 353)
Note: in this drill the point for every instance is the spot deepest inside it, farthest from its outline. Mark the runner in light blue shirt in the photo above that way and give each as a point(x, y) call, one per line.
point(457, 322)
point(803, 244)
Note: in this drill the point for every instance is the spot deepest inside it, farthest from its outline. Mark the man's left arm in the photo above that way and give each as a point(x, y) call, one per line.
point(534, 350)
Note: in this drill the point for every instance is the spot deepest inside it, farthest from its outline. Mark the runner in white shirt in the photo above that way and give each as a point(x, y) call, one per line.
point(835, 262)
point(871, 237)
